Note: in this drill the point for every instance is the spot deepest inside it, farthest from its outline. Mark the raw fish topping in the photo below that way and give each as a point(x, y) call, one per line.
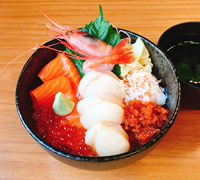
point(98, 98)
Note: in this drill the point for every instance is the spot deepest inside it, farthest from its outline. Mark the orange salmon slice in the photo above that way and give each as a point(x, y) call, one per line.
point(61, 66)
point(44, 95)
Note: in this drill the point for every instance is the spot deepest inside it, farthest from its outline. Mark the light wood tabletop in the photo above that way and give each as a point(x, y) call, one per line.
point(21, 158)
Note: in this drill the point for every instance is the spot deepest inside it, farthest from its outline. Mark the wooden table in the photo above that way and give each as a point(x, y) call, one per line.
point(176, 157)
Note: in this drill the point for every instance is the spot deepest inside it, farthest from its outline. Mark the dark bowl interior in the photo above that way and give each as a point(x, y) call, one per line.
point(189, 31)
point(176, 32)
point(28, 80)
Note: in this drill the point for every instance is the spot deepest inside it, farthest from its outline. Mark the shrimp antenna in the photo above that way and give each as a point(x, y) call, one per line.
point(17, 58)
point(115, 28)
point(70, 55)
point(122, 31)
point(34, 48)
point(55, 23)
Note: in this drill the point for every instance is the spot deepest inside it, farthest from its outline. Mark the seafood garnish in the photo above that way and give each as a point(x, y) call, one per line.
point(96, 53)
point(98, 112)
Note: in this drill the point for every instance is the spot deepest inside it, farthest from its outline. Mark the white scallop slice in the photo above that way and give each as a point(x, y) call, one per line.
point(86, 80)
point(107, 140)
point(111, 99)
point(110, 73)
point(104, 112)
point(92, 100)
point(87, 102)
point(105, 84)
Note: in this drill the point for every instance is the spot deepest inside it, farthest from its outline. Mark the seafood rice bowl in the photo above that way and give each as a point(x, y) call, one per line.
point(97, 104)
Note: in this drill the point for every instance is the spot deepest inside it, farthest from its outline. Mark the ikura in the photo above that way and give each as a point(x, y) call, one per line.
point(56, 130)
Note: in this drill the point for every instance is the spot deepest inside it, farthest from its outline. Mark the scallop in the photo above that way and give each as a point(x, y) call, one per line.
point(111, 74)
point(92, 100)
point(97, 83)
point(111, 99)
point(101, 112)
point(87, 102)
point(105, 84)
point(107, 140)
point(86, 80)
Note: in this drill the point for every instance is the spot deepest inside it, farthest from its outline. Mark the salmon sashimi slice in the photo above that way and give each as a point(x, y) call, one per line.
point(44, 95)
point(61, 66)
point(73, 119)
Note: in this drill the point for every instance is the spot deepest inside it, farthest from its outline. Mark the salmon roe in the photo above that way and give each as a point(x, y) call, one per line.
point(142, 121)
point(56, 130)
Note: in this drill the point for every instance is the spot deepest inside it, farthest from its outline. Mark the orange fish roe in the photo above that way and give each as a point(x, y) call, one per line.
point(143, 120)
point(59, 133)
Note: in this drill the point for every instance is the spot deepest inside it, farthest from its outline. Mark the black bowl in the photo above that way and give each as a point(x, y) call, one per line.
point(28, 80)
point(188, 31)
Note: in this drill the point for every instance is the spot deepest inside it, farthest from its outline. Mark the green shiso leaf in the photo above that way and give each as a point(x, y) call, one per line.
point(101, 29)
point(77, 62)
point(104, 31)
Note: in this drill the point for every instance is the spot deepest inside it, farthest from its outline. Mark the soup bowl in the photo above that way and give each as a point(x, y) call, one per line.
point(181, 43)
point(28, 80)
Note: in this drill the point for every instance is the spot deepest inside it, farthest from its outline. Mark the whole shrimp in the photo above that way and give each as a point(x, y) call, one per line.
point(98, 55)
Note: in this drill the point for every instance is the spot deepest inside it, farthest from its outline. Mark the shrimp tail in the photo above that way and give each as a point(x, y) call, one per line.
point(120, 54)
point(120, 45)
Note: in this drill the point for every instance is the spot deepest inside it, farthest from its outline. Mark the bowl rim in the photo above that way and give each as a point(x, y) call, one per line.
point(167, 31)
point(102, 158)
